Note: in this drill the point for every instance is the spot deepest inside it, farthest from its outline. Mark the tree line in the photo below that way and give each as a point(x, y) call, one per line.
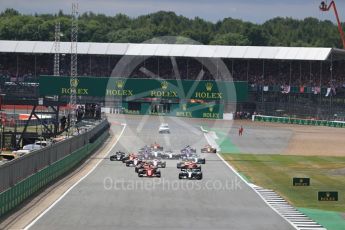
point(279, 31)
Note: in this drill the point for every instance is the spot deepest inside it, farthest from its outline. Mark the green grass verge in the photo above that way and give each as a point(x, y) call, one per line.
point(328, 219)
point(276, 172)
point(225, 143)
point(223, 140)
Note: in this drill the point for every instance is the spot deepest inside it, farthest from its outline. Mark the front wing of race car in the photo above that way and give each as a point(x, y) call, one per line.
point(190, 175)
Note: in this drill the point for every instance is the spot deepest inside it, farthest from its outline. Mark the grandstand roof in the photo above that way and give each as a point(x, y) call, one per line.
point(177, 50)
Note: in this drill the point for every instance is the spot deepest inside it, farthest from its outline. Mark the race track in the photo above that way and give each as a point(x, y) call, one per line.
point(114, 197)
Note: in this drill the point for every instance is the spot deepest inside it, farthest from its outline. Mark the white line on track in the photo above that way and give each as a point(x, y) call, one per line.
point(250, 185)
point(274, 201)
point(75, 184)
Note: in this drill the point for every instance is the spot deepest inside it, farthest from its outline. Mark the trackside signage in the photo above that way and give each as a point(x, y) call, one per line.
point(327, 196)
point(130, 89)
point(298, 181)
point(197, 110)
point(200, 111)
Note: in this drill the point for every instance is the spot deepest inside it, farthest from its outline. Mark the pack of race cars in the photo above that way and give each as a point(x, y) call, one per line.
point(148, 161)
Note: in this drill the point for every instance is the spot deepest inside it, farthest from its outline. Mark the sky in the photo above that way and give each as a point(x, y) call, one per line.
point(257, 11)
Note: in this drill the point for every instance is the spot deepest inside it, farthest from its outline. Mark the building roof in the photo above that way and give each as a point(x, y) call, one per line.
point(177, 50)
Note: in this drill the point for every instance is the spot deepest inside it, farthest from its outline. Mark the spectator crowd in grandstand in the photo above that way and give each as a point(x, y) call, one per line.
point(262, 75)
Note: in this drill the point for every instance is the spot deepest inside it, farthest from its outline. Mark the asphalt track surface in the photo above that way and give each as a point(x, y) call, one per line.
point(114, 197)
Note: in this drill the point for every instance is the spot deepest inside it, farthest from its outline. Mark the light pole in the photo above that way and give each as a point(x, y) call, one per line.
point(2, 125)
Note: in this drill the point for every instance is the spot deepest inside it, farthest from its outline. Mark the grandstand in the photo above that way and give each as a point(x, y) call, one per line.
point(284, 81)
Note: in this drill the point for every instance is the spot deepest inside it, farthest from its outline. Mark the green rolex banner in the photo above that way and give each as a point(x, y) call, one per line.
point(130, 89)
point(213, 111)
point(189, 110)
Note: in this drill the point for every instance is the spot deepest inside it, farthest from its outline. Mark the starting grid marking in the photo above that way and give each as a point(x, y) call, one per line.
point(299, 220)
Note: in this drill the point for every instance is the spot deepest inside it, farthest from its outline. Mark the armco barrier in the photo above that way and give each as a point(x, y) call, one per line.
point(13, 196)
point(288, 120)
point(15, 171)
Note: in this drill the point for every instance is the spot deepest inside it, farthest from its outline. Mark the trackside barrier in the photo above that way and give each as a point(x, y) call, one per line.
point(289, 120)
point(16, 170)
point(13, 196)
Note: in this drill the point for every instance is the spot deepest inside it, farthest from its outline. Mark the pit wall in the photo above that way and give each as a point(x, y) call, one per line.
point(288, 120)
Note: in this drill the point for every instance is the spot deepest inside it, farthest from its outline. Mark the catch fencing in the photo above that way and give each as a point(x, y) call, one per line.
point(47, 165)
point(16, 170)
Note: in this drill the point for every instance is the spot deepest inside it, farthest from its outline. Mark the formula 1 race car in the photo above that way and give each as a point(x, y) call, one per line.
point(149, 172)
point(188, 150)
point(156, 147)
point(133, 162)
point(170, 155)
point(146, 156)
point(118, 156)
point(196, 159)
point(208, 149)
point(156, 153)
point(191, 174)
point(188, 165)
point(130, 156)
point(145, 149)
point(159, 163)
point(143, 165)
